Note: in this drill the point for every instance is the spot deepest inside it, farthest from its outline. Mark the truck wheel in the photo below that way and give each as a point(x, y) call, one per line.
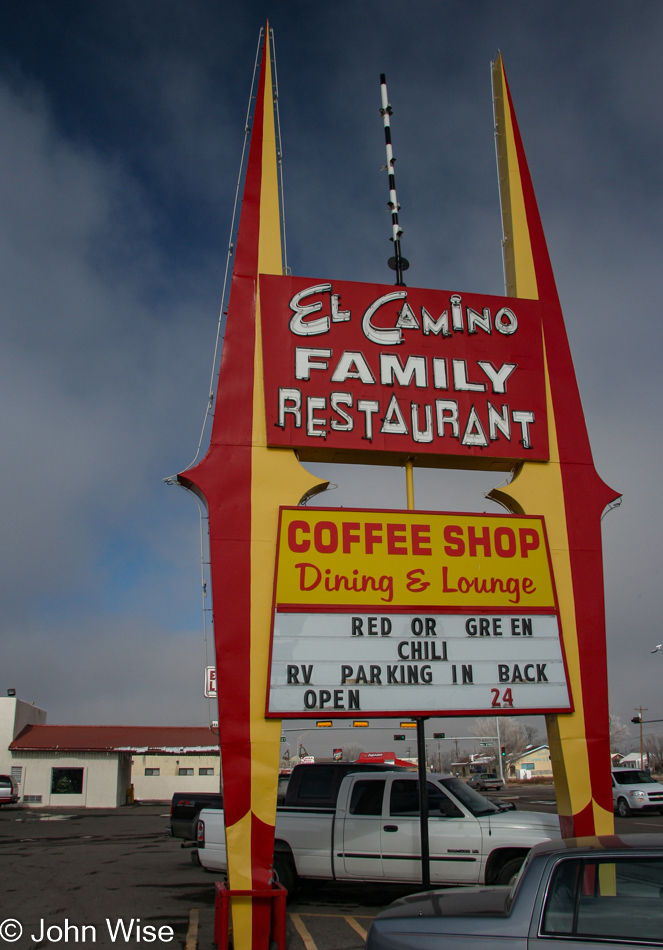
point(286, 872)
point(508, 872)
point(623, 808)
point(195, 860)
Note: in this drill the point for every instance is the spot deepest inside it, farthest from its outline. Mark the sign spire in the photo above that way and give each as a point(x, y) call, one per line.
point(397, 262)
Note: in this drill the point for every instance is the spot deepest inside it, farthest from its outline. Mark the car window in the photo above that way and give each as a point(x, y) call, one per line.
point(5, 780)
point(466, 795)
point(367, 798)
point(404, 801)
point(315, 784)
point(634, 777)
point(603, 897)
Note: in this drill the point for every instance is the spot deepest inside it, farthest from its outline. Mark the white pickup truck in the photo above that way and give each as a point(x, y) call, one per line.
point(373, 834)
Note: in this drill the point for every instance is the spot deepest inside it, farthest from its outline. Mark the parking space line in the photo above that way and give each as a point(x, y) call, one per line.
point(192, 932)
point(357, 926)
point(303, 932)
point(306, 913)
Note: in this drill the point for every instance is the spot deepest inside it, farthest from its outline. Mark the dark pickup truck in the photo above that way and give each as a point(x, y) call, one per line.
point(185, 808)
point(312, 785)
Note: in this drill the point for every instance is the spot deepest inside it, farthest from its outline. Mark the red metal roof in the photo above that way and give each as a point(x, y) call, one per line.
point(176, 739)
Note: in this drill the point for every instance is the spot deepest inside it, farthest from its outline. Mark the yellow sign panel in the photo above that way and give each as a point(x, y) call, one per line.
point(412, 559)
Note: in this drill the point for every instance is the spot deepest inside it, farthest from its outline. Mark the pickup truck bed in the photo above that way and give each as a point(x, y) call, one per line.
point(185, 808)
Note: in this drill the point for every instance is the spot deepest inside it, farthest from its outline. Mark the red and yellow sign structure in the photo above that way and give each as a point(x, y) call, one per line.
point(404, 559)
point(414, 614)
point(251, 469)
point(361, 369)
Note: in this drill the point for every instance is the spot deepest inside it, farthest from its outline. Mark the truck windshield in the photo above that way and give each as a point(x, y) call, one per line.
point(473, 801)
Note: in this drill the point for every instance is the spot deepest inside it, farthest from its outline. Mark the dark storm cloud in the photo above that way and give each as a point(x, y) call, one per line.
point(122, 130)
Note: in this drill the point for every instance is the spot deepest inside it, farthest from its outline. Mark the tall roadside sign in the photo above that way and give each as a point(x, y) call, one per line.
point(377, 613)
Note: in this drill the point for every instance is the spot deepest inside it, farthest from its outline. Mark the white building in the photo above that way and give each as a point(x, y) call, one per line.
point(15, 715)
point(96, 766)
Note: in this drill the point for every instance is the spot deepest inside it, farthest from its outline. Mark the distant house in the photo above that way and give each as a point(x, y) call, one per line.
point(96, 766)
point(633, 761)
point(534, 761)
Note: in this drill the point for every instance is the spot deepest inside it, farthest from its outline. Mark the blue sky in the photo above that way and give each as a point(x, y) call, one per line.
point(122, 131)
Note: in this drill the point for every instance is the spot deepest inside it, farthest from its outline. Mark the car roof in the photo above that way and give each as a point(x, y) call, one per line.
point(603, 843)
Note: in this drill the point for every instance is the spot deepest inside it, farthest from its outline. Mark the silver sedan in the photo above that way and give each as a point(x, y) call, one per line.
point(579, 893)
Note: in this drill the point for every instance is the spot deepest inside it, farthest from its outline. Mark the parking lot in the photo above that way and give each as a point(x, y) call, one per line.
point(120, 872)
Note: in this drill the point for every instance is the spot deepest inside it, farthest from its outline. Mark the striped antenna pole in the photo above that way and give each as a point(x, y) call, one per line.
point(397, 262)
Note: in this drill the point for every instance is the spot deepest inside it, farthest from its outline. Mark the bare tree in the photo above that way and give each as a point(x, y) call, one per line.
point(351, 752)
point(531, 734)
point(618, 732)
point(653, 746)
point(513, 734)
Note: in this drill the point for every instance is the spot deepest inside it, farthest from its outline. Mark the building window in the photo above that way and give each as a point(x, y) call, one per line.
point(205, 771)
point(152, 771)
point(185, 771)
point(17, 773)
point(66, 781)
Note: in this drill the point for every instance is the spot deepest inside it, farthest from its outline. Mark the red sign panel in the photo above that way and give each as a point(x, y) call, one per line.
point(354, 367)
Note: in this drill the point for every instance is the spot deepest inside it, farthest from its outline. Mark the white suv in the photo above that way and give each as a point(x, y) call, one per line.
point(634, 790)
point(8, 790)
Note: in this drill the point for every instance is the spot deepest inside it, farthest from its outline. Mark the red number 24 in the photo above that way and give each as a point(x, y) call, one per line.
point(507, 697)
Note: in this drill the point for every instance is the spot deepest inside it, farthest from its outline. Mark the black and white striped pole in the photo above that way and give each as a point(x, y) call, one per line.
point(397, 262)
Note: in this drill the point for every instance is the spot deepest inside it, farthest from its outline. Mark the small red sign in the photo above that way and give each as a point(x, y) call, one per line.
point(351, 368)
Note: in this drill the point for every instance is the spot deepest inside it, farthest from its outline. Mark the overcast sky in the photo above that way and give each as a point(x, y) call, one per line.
point(122, 126)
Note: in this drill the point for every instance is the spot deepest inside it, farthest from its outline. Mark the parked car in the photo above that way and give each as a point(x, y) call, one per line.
point(484, 780)
point(8, 790)
point(634, 790)
point(593, 893)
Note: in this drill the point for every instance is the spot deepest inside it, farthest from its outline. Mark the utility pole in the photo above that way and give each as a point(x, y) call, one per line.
point(499, 747)
point(638, 719)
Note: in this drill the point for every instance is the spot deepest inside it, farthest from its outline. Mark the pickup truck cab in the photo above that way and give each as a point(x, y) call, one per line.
point(372, 834)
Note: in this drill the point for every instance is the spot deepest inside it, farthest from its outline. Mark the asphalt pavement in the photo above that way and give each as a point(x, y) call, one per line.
point(119, 873)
